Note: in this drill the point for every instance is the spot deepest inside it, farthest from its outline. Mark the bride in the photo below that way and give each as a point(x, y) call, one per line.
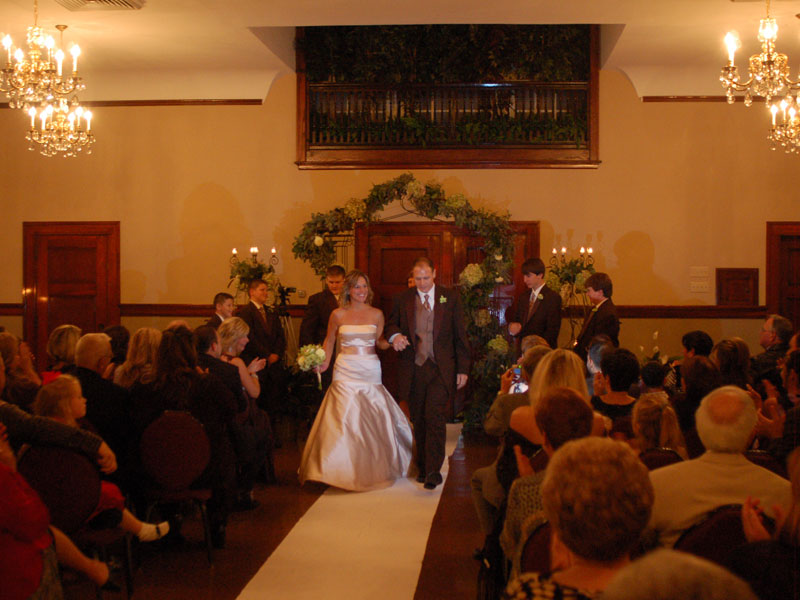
point(361, 439)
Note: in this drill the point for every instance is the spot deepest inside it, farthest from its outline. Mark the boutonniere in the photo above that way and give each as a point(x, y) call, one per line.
point(539, 296)
point(442, 300)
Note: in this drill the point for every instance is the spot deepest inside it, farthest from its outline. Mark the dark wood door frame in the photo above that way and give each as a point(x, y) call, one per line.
point(776, 229)
point(35, 300)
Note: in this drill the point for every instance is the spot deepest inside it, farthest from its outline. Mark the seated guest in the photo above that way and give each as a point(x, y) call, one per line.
point(603, 318)
point(119, 336)
point(783, 429)
point(537, 310)
point(21, 380)
point(597, 498)
point(770, 561)
point(599, 345)
point(700, 377)
point(140, 362)
point(61, 351)
point(63, 401)
point(620, 369)
point(670, 575)
point(732, 358)
point(107, 405)
point(530, 341)
point(223, 309)
point(561, 415)
point(251, 431)
point(487, 492)
point(774, 338)
point(693, 343)
point(655, 425)
point(652, 378)
point(180, 385)
point(30, 547)
point(689, 490)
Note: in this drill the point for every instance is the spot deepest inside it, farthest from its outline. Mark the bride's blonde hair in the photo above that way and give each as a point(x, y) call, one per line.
point(350, 281)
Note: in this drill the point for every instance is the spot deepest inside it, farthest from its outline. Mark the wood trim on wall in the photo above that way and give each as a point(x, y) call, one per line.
point(695, 99)
point(298, 310)
point(199, 102)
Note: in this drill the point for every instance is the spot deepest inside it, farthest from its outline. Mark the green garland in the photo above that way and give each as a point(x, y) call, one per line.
point(314, 244)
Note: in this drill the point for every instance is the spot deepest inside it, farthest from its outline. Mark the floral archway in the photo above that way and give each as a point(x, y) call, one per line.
point(315, 244)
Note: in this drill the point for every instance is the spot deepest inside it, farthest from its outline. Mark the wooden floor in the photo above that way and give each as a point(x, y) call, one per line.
point(183, 573)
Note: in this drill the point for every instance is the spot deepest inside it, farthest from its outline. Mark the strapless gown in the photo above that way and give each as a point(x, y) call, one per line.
point(361, 439)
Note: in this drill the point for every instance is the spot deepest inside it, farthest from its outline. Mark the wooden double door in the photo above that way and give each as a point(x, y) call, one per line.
point(387, 251)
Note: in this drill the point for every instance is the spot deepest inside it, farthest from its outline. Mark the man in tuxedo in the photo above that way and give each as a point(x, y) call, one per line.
point(603, 318)
point(427, 328)
point(266, 340)
point(537, 311)
point(314, 326)
point(223, 307)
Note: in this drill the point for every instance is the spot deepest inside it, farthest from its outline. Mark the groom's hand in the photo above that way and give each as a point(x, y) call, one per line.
point(400, 343)
point(461, 380)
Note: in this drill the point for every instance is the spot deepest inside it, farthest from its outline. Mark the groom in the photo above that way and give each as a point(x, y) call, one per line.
point(427, 328)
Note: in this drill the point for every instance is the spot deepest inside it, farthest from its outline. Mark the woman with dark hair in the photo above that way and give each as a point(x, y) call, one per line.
point(181, 385)
point(732, 358)
point(361, 439)
point(699, 377)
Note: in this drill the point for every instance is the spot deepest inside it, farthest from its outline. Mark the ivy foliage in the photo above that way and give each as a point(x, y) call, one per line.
point(397, 54)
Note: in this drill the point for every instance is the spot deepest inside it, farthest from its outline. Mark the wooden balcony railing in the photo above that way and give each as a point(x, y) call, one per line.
point(455, 115)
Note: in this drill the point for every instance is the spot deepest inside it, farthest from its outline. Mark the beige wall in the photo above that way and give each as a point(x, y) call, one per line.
point(680, 185)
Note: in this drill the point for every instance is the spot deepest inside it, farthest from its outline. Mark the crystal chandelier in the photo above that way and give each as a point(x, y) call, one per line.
point(60, 129)
point(769, 70)
point(785, 130)
point(38, 76)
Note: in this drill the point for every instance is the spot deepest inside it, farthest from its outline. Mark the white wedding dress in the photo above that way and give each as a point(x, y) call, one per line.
point(361, 439)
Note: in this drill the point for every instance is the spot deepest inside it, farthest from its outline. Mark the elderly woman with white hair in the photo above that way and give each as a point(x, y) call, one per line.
point(597, 498)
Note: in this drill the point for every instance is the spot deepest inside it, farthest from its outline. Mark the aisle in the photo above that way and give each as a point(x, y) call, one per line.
point(355, 545)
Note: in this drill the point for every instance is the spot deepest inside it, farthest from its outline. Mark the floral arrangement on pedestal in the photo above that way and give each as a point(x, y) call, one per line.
point(568, 278)
point(315, 244)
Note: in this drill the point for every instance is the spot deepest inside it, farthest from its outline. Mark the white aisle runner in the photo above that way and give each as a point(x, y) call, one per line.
point(355, 545)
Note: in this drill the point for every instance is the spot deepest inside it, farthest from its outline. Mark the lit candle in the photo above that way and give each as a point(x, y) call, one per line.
point(254, 250)
point(590, 250)
point(582, 250)
point(88, 116)
point(7, 45)
point(233, 251)
point(732, 42)
point(563, 249)
point(774, 110)
point(59, 60)
point(274, 251)
point(75, 51)
point(49, 43)
point(71, 119)
point(19, 55)
point(32, 113)
point(555, 251)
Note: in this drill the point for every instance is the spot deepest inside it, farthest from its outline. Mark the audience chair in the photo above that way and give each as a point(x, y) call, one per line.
point(766, 460)
point(175, 451)
point(69, 485)
point(716, 535)
point(535, 555)
point(659, 457)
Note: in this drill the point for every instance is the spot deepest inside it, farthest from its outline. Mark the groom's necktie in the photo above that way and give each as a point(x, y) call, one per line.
point(426, 303)
point(531, 307)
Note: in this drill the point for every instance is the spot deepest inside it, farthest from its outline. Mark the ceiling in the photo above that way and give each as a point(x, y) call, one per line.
point(235, 49)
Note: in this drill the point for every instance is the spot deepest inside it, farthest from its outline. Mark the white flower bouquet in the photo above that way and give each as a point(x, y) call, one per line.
point(309, 357)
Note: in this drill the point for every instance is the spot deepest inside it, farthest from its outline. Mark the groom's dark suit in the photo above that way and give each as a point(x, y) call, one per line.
point(427, 387)
point(545, 320)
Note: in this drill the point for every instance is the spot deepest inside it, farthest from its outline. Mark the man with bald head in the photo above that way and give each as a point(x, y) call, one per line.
point(686, 491)
point(107, 404)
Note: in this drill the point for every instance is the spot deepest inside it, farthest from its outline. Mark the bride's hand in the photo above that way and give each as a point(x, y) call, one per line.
point(323, 367)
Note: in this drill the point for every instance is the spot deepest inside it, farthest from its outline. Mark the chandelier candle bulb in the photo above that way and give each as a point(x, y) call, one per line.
point(32, 114)
point(234, 252)
point(59, 60)
point(590, 250)
point(732, 42)
point(76, 52)
point(563, 249)
point(583, 250)
point(555, 251)
point(88, 116)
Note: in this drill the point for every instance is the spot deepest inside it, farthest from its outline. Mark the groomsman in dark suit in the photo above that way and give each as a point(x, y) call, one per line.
point(537, 311)
point(223, 307)
point(603, 318)
point(266, 340)
point(314, 326)
point(427, 328)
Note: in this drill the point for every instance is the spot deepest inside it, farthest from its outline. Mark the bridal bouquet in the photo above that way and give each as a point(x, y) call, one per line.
point(309, 357)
